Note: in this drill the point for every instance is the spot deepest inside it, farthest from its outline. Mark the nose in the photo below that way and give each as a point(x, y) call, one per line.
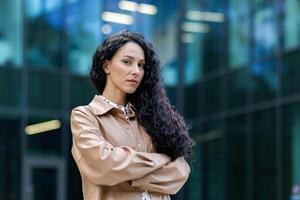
point(135, 70)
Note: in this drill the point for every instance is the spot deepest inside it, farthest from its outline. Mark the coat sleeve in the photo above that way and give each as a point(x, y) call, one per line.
point(167, 180)
point(102, 163)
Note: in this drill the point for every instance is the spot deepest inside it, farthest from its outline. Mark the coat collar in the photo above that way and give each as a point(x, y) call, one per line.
point(100, 107)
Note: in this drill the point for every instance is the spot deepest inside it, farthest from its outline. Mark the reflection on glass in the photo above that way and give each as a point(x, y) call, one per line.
point(265, 32)
point(237, 157)
point(237, 88)
point(264, 133)
point(264, 83)
point(291, 23)
point(45, 90)
point(291, 148)
point(11, 32)
point(83, 30)
point(45, 23)
point(291, 74)
point(193, 58)
point(10, 158)
point(238, 16)
point(45, 142)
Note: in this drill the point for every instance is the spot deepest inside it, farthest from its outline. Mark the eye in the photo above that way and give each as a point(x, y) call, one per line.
point(127, 62)
point(142, 65)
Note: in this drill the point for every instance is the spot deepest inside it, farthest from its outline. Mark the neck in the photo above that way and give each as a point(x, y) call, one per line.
point(116, 97)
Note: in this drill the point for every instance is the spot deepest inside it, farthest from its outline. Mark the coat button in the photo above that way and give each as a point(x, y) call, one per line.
point(126, 126)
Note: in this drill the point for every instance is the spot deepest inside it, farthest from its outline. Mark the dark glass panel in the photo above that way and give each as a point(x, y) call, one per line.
point(212, 96)
point(237, 88)
point(237, 157)
point(265, 176)
point(10, 87)
point(45, 90)
point(291, 150)
point(10, 158)
point(291, 74)
point(81, 91)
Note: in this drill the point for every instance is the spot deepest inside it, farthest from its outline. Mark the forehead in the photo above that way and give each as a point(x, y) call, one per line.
point(131, 49)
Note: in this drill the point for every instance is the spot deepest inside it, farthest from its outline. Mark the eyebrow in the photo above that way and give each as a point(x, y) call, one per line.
point(131, 57)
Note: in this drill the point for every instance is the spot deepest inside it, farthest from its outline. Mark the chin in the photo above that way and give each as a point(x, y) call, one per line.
point(131, 90)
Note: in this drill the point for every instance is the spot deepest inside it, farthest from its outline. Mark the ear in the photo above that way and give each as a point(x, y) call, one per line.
point(106, 66)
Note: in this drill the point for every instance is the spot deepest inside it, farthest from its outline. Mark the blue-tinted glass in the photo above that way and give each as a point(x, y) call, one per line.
point(237, 157)
point(11, 32)
point(44, 34)
point(291, 23)
point(193, 101)
point(264, 133)
point(238, 19)
point(290, 73)
point(291, 150)
point(213, 44)
point(265, 30)
point(83, 29)
point(264, 83)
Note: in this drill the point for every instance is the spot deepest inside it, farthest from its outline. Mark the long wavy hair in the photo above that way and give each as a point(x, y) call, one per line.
point(154, 112)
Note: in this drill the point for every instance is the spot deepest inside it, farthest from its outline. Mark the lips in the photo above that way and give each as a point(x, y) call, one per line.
point(133, 81)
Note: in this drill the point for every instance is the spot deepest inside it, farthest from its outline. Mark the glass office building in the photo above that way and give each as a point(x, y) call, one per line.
point(230, 67)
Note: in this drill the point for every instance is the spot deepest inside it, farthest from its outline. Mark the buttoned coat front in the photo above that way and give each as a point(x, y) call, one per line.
point(116, 157)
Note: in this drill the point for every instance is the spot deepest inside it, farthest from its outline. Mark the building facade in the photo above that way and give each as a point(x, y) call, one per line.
point(230, 67)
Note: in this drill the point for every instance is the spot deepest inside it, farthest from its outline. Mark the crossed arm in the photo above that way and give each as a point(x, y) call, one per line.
point(104, 164)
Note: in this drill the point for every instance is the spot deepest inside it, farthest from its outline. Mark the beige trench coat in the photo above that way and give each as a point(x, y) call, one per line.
point(116, 158)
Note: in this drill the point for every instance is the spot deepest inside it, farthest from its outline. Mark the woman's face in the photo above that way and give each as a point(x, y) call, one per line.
point(125, 71)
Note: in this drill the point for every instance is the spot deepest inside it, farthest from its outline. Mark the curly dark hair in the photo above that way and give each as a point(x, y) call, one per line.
point(154, 112)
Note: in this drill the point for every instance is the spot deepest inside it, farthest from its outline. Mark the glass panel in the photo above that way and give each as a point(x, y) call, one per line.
point(45, 90)
point(239, 33)
point(291, 150)
point(264, 82)
point(237, 158)
point(212, 96)
point(44, 183)
point(291, 28)
point(81, 91)
point(211, 140)
point(44, 138)
point(193, 101)
point(237, 88)
point(290, 74)
point(10, 158)
point(264, 133)
point(265, 29)
point(214, 40)
point(44, 35)
point(83, 30)
point(11, 32)
point(10, 85)
point(74, 189)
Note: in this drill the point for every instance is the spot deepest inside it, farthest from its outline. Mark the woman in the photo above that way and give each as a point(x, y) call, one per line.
point(129, 143)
